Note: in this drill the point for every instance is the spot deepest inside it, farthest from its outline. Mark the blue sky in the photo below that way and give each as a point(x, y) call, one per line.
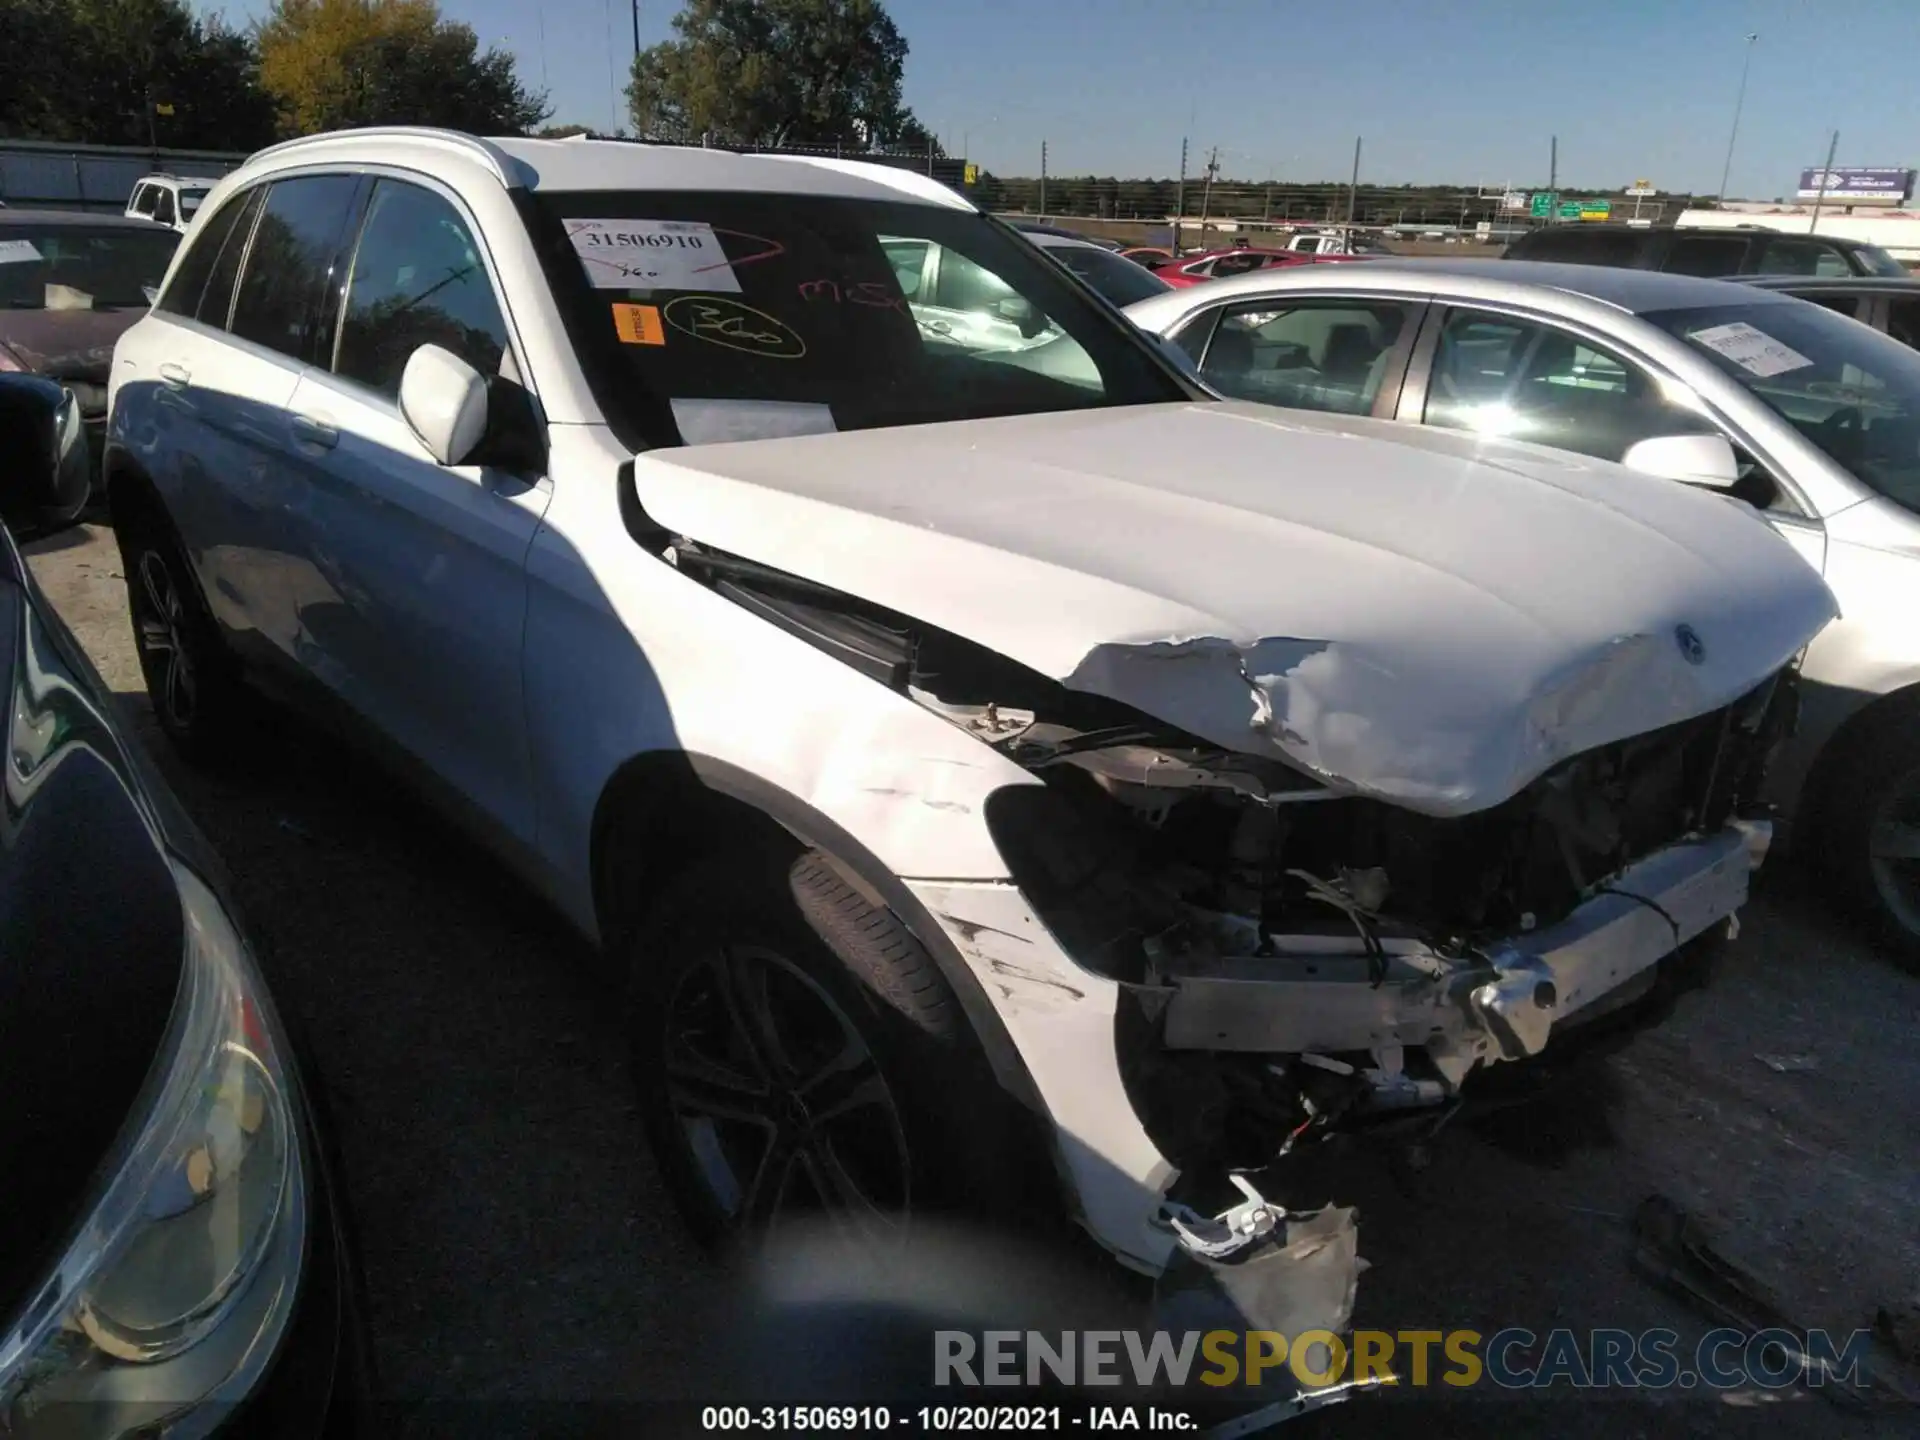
point(1441, 90)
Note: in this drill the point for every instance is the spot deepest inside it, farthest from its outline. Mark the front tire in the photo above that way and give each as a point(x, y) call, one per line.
point(192, 680)
point(799, 1056)
point(1871, 831)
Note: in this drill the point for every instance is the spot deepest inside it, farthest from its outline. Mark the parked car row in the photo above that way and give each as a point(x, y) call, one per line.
point(1010, 763)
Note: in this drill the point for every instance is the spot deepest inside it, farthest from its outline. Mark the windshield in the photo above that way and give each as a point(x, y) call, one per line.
point(734, 316)
point(1119, 280)
point(1846, 387)
point(1875, 261)
point(190, 200)
point(75, 267)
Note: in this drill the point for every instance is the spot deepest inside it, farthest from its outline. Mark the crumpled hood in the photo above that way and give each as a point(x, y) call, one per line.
point(1414, 614)
point(67, 344)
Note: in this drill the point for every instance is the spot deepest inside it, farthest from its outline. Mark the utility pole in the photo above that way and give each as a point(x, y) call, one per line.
point(1206, 190)
point(1739, 100)
point(1553, 182)
point(1043, 178)
point(1825, 175)
point(1180, 196)
point(636, 27)
point(1353, 189)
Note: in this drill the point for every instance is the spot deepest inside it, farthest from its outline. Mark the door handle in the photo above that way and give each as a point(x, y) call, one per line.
point(312, 430)
point(174, 375)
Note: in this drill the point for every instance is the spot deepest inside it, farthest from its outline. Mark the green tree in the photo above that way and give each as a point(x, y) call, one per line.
point(331, 64)
point(128, 72)
point(776, 72)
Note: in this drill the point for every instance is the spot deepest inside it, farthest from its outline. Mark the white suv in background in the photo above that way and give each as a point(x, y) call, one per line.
point(938, 730)
point(170, 200)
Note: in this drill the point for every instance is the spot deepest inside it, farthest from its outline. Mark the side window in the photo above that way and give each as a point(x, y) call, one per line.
point(213, 251)
point(163, 206)
point(908, 261)
point(1903, 322)
point(1706, 255)
point(1847, 305)
point(1317, 355)
point(418, 279)
point(1192, 337)
point(143, 196)
point(1228, 265)
point(1502, 376)
point(290, 261)
point(959, 284)
point(1201, 268)
point(1797, 255)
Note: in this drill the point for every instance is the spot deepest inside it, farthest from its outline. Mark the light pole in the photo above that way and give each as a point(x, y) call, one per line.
point(1739, 100)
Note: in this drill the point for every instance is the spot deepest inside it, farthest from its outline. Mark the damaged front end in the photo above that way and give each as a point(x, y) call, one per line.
point(1290, 957)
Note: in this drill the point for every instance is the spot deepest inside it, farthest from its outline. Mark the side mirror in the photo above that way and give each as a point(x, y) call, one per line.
point(444, 399)
point(464, 418)
point(46, 472)
point(1697, 459)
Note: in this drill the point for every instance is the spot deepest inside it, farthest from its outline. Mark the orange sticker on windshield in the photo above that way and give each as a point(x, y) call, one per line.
point(639, 325)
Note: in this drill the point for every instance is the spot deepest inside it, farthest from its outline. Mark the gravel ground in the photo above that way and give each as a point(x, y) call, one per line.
point(518, 1246)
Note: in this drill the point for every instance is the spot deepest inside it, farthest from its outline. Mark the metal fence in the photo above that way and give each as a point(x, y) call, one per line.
point(37, 174)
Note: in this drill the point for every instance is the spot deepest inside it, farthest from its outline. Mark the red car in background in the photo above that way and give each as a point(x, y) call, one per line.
point(1237, 260)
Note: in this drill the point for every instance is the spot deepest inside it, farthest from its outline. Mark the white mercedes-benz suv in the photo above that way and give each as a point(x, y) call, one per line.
point(941, 725)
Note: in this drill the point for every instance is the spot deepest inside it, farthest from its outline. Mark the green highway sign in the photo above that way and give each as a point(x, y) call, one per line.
point(1596, 209)
point(1570, 209)
point(1542, 205)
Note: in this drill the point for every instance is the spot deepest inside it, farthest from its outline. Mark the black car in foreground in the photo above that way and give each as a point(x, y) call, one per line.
point(173, 1259)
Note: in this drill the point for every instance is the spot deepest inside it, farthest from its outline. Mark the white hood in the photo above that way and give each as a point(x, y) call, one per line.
point(1408, 613)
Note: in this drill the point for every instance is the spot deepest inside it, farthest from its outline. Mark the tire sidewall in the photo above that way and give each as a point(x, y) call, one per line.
point(743, 903)
point(211, 722)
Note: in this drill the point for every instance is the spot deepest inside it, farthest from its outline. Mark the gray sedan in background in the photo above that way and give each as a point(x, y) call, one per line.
point(1810, 417)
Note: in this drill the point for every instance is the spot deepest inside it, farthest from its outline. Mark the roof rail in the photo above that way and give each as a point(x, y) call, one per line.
point(485, 151)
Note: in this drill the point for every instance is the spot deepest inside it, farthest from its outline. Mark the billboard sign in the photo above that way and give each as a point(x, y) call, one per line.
point(1855, 183)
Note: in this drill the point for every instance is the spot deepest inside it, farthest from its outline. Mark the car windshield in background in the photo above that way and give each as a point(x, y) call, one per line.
point(727, 315)
point(190, 200)
point(74, 267)
point(1118, 279)
point(1876, 261)
point(1846, 387)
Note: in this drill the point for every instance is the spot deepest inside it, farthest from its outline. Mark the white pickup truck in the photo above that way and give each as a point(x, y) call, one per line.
point(1333, 242)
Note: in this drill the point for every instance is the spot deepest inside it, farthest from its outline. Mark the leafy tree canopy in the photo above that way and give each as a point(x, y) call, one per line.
point(776, 72)
point(128, 72)
point(331, 64)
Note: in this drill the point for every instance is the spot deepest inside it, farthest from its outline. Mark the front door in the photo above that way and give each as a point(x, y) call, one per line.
point(420, 621)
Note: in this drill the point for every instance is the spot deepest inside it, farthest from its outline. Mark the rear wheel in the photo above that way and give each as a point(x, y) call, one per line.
point(800, 1057)
point(192, 680)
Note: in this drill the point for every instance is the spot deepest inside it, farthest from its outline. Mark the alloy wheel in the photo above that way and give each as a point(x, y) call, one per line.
point(160, 627)
point(1893, 851)
point(781, 1104)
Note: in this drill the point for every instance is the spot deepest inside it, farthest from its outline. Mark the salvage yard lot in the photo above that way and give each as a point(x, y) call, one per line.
point(518, 1245)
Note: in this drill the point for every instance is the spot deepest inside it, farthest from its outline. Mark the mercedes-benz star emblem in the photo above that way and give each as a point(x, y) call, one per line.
point(1692, 648)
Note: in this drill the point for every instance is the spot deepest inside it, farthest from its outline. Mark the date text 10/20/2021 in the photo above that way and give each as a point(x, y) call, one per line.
point(943, 1419)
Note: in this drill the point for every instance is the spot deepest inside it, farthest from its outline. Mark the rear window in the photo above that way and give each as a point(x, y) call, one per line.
point(81, 267)
point(720, 316)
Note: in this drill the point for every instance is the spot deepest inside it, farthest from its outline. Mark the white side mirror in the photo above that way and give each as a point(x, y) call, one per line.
point(1697, 459)
point(444, 399)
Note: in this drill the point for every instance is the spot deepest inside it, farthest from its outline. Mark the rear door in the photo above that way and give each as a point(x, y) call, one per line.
point(242, 380)
point(417, 604)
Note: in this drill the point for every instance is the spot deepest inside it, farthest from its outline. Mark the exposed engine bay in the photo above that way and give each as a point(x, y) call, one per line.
point(1292, 955)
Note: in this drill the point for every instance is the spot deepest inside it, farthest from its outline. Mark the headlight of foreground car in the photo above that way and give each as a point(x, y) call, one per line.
point(168, 1304)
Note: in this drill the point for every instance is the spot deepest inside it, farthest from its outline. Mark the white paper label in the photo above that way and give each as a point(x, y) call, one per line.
point(652, 255)
point(15, 252)
point(1752, 350)
point(713, 422)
